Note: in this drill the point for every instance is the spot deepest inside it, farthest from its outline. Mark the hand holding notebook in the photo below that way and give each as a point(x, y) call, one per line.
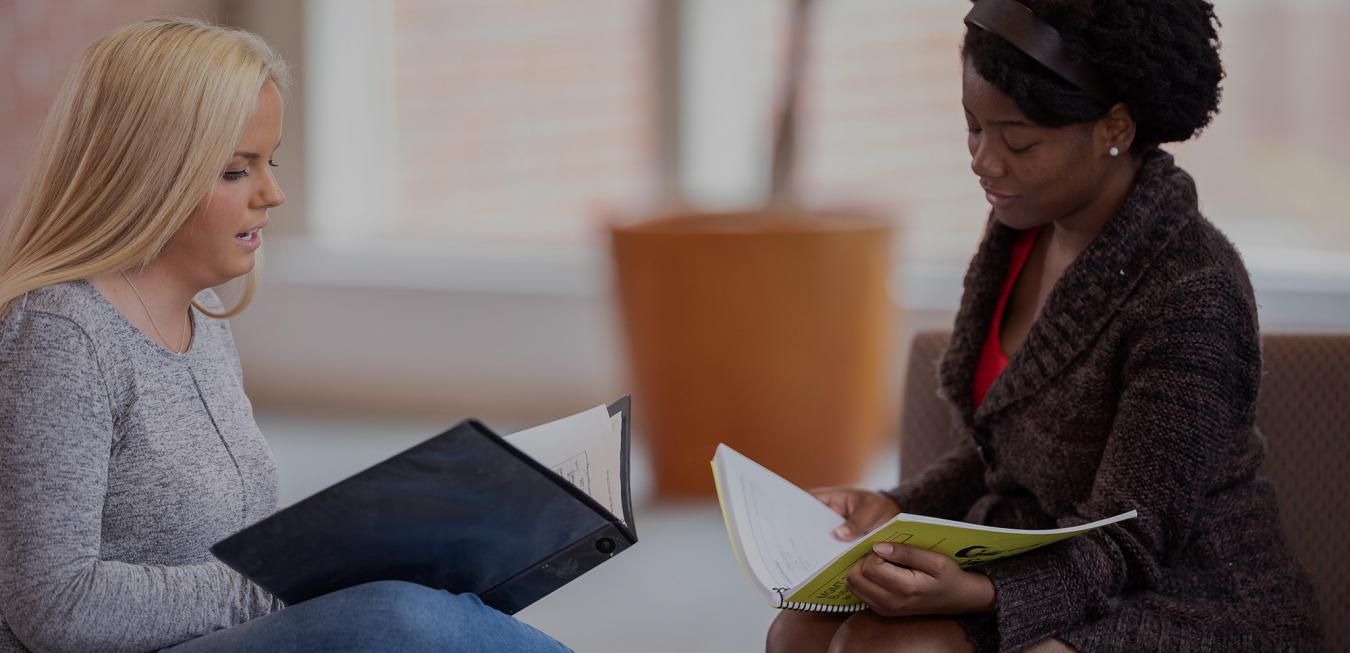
point(861, 510)
point(783, 537)
point(899, 580)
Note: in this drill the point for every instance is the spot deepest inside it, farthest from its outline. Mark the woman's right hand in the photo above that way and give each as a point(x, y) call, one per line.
point(862, 510)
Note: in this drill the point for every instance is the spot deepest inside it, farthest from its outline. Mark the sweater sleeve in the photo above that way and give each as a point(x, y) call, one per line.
point(947, 488)
point(56, 591)
point(1188, 396)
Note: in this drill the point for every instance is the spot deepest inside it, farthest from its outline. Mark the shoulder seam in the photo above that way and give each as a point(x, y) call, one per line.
point(89, 341)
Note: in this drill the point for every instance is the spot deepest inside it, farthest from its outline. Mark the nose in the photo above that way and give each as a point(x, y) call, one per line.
point(269, 194)
point(985, 161)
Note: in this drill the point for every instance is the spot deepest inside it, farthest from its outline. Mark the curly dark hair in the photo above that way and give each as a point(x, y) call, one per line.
point(1160, 56)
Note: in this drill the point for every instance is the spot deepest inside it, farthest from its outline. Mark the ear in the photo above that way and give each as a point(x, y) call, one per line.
point(1116, 129)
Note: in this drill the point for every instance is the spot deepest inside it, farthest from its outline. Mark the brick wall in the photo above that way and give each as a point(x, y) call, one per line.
point(39, 41)
point(883, 122)
point(1274, 168)
point(515, 118)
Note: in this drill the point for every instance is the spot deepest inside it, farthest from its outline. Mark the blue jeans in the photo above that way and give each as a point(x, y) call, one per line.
point(380, 616)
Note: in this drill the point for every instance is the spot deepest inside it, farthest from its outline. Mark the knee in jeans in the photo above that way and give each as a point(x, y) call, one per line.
point(418, 616)
point(394, 594)
point(399, 602)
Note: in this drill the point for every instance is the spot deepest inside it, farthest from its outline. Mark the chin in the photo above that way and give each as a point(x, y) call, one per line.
point(235, 269)
point(1017, 220)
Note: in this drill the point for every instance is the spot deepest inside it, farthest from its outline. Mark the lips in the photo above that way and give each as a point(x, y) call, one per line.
point(998, 198)
point(252, 239)
point(252, 232)
point(994, 191)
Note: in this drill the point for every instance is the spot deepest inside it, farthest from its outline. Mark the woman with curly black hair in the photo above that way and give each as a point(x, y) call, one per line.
point(1105, 358)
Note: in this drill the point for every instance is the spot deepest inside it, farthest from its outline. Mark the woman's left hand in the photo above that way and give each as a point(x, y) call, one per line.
point(898, 580)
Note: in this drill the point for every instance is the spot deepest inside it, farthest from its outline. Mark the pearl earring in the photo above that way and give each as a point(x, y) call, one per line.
point(1115, 151)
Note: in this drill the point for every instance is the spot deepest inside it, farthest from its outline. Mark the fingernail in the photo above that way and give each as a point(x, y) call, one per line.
point(883, 548)
point(842, 531)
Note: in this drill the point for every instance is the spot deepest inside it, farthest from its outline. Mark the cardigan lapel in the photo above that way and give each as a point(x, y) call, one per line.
point(1095, 285)
point(1082, 302)
point(978, 300)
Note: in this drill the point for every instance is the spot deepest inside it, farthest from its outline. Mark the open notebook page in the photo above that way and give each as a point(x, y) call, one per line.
point(585, 449)
point(785, 532)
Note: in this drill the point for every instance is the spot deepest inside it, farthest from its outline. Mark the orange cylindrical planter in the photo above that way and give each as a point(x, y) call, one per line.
point(770, 332)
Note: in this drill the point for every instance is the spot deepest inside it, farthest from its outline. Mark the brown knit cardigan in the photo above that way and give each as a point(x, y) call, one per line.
point(1135, 389)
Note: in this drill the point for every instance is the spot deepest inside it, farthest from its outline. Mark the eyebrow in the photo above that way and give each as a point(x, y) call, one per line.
point(254, 155)
point(1003, 123)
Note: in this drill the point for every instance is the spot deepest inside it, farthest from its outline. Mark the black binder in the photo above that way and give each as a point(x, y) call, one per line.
point(463, 511)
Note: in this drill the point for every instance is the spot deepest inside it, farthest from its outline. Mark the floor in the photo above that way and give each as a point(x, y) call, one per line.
point(678, 589)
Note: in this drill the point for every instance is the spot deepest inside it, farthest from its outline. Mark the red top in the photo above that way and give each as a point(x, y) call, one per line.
point(992, 359)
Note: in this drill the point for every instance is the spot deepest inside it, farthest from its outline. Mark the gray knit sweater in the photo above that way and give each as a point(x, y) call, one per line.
point(120, 464)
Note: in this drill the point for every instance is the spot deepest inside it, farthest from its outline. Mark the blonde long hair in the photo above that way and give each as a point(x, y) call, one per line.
point(140, 130)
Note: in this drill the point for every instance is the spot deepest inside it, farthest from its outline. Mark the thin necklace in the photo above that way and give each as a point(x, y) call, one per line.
point(182, 345)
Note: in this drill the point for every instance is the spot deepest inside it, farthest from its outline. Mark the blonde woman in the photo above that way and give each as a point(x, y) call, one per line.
point(127, 445)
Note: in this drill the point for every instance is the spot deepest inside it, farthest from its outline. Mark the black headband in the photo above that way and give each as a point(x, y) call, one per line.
point(1017, 25)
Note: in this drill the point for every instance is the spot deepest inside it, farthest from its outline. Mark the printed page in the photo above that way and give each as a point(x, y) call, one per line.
point(784, 533)
point(614, 470)
point(585, 449)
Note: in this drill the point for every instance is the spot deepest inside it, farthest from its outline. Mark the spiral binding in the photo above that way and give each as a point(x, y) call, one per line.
point(802, 606)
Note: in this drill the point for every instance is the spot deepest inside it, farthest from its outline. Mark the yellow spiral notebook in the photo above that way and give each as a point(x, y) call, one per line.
point(782, 537)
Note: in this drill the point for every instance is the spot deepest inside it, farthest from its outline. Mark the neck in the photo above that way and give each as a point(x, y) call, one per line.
point(162, 289)
point(1072, 234)
point(153, 299)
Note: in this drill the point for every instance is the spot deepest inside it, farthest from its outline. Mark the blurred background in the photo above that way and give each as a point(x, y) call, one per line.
point(452, 167)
